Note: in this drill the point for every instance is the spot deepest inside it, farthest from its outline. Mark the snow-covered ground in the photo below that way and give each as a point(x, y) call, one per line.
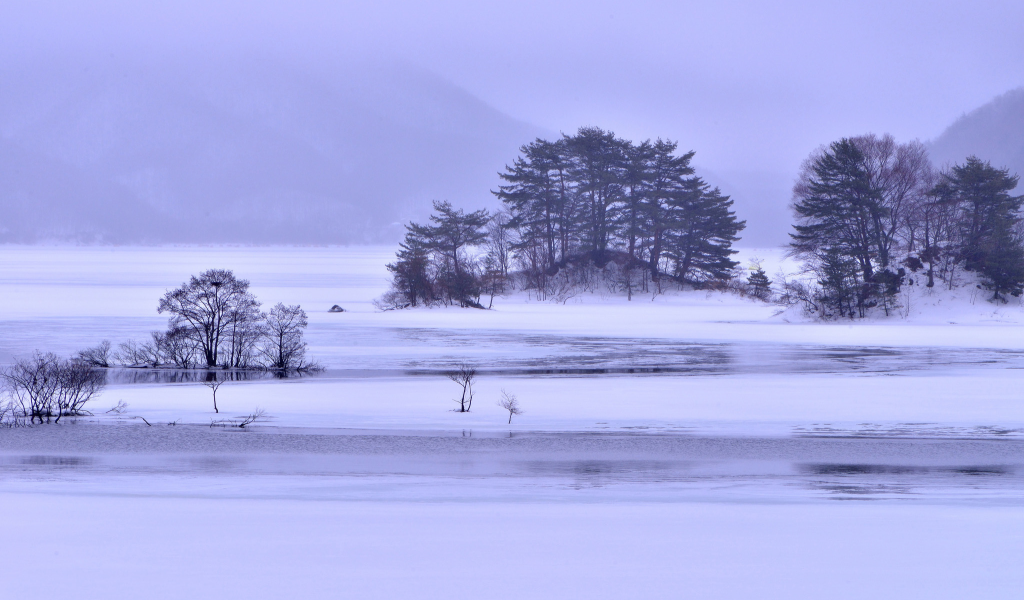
point(679, 361)
point(688, 445)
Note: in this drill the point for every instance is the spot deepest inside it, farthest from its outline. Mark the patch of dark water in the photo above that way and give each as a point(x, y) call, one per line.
point(627, 467)
point(124, 375)
point(369, 352)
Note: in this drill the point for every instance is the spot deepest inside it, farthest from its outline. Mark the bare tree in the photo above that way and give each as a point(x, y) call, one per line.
point(244, 333)
point(214, 383)
point(499, 241)
point(207, 307)
point(100, 355)
point(902, 175)
point(464, 375)
point(510, 403)
point(10, 416)
point(282, 347)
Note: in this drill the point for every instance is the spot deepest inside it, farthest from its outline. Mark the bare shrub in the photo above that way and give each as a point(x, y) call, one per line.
point(32, 382)
point(177, 347)
point(45, 386)
point(135, 354)
point(510, 403)
point(77, 384)
point(100, 355)
point(391, 300)
point(464, 375)
point(10, 415)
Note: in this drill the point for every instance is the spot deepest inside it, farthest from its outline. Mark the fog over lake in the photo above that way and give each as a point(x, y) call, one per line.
point(336, 123)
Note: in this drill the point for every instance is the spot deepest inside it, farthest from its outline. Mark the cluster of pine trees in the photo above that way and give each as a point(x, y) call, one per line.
point(869, 210)
point(434, 264)
point(872, 215)
point(584, 210)
point(594, 199)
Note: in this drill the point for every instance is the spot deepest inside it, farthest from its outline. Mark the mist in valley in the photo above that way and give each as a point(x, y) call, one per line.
point(310, 123)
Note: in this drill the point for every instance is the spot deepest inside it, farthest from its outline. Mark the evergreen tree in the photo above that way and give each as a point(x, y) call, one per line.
point(703, 229)
point(837, 208)
point(598, 162)
point(837, 276)
point(591, 197)
point(432, 265)
point(984, 209)
point(670, 176)
point(537, 196)
point(631, 220)
point(410, 275)
point(1002, 264)
point(452, 230)
point(760, 286)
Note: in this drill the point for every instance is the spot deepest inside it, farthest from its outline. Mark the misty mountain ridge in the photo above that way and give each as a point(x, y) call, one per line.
point(992, 132)
point(191, 152)
point(107, 149)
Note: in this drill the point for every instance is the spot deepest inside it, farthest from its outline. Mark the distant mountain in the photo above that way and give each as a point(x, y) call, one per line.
point(993, 132)
point(154, 151)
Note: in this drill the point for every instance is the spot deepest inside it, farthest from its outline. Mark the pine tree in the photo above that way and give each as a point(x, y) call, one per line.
point(701, 234)
point(410, 275)
point(984, 209)
point(598, 161)
point(591, 198)
point(837, 208)
point(760, 286)
point(670, 175)
point(537, 195)
point(837, 276)
point(432, 265)
point(1002, 264)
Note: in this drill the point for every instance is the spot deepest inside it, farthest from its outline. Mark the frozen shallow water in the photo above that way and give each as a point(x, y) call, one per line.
point(696, 446)
point(527, 467)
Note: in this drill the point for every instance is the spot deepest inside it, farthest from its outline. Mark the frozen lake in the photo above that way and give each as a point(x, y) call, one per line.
point(667, 445)
point(388, 466)
point(369, 351)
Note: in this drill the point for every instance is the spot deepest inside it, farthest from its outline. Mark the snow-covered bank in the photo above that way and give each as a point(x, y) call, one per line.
point(330, 498)
point(738, 405)
point(65, 298)
point(120, 287)
point(151, 547)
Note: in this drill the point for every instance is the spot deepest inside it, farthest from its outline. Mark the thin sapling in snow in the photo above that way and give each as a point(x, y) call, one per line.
point(510, 403)
point(464, 375)
point(214, 383)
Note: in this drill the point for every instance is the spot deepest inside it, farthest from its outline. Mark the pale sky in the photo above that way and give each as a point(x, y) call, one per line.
point(747, 84)
point(753, 87)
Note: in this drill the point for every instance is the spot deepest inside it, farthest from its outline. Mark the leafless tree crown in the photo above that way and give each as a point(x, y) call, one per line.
point(464, 375)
